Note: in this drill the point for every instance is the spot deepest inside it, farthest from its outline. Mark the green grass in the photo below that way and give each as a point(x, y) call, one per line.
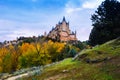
point(109, 49)
point(78, 69)
point(75, 70)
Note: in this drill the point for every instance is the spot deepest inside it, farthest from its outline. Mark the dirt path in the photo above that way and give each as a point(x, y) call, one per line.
point(18, 76)
point(30, 72)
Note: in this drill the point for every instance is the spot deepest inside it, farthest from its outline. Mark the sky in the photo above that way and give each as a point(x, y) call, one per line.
point(34, 17)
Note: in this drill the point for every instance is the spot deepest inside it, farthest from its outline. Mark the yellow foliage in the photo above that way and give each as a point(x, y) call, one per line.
point(26, 47)
point(29, 54)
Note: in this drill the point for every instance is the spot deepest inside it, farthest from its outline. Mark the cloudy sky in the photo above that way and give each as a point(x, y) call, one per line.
point(34, 17)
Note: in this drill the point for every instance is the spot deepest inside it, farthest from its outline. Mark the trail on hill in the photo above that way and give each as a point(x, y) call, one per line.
point(30, 72)
point(18, 76)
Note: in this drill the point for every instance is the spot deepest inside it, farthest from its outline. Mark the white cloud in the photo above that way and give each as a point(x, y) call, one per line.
point(12, 35)
point(91, 4)
point(71, 7)
point(25, 32)
point(10, 30)
point(71, 10)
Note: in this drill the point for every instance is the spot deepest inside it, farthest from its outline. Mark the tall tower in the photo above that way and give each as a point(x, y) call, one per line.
point(64, 18)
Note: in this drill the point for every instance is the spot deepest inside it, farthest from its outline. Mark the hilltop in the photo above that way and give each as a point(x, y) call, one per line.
point(98, 63)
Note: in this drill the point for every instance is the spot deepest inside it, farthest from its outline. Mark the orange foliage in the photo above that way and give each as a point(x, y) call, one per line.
point(29, 54)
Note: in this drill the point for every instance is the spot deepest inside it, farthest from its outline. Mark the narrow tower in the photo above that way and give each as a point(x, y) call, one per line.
point(64, 18)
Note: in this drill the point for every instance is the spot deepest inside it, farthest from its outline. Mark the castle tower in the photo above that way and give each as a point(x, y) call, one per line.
point(75, 33)
point(64, 19)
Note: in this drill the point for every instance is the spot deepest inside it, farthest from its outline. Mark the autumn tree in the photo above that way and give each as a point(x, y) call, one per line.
point(5, 62)
point(54, 49)
point(31, 56)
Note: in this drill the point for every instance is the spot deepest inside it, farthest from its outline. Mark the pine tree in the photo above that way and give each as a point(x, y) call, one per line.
point(106, 22)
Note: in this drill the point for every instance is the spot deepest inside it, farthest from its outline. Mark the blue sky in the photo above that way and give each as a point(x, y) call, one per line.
point(34, 17)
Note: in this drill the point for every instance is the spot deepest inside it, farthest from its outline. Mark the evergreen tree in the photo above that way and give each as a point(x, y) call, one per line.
point(106, 22)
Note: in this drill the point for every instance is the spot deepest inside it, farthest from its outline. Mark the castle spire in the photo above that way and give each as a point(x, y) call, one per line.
point(75, 33)
point(64, 18)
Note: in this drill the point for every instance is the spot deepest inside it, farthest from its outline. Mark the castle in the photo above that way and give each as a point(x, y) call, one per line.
point(62, 32)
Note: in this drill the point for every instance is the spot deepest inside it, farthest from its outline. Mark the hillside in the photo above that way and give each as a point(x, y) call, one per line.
point(98, 63)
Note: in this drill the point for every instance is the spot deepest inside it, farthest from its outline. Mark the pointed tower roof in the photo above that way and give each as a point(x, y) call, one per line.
point(64, 19)
point(59, 22)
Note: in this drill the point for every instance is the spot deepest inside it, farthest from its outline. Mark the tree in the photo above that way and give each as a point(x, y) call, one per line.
point(106, 22)
point(54, 49)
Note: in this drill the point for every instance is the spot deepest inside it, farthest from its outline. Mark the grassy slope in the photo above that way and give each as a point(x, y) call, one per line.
point(107, 69)
point(108, 50)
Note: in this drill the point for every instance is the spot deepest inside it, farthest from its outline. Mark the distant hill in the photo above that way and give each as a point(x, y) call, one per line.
point(99, 63)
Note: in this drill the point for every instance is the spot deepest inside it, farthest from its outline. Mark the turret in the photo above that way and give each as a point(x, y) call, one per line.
point(64, 19)
point(59, 23)
point(75, 33)
point(53, 28)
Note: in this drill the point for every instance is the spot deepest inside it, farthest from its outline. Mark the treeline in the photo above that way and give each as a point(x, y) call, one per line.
point(33, 54)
